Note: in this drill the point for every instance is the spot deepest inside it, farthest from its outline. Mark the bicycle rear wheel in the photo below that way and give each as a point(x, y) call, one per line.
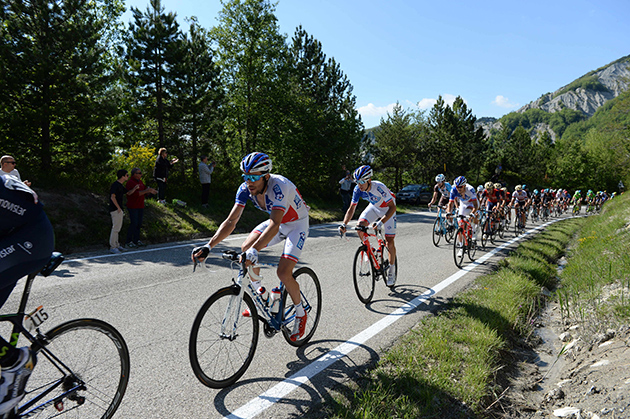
point(486, 232)
point(385, 259)
point(437, 231)
point(311, 294)
point(217, 356)
point(362, 275)
point(458, 247)
point(90, 360)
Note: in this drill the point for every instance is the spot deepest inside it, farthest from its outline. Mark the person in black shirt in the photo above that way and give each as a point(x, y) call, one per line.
point(160, 173)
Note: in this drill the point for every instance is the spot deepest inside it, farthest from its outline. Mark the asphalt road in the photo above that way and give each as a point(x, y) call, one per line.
point(152, 296)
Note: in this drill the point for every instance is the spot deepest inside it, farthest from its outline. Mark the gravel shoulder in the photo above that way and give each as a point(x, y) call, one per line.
point(569, 374)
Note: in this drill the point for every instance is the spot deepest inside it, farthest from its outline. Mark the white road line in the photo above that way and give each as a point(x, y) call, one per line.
point(155, 249)
point(259, 404)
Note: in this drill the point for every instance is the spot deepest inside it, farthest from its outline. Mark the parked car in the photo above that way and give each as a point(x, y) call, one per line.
point(415, 194)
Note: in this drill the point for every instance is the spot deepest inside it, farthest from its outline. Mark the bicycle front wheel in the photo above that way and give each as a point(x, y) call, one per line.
point(311, 294)
point(437, 232)
point(222, 340)
point(88, 362)
point(363, 276)
point(458, 247)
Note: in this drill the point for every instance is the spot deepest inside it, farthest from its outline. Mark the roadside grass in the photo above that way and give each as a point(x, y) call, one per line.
point(452, 364)
point(81, 220)
point(595, 284)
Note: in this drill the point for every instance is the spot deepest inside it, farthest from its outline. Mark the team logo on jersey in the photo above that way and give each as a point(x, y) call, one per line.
point(278, 192)
point(297, 201)
point(300, 242)
point(382, 191)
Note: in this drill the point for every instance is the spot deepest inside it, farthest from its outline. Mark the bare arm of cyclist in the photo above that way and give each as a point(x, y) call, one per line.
point(225, 229)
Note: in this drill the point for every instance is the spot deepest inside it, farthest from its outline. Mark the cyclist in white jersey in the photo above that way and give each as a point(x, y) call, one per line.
point(381, 212)
point(288, 223)
point(468, 203)
point(520, 198)
point(442, 189)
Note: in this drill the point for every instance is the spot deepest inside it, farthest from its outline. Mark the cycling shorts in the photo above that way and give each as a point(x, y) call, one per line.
point(293, 233)
point(23, 252)
point(371, 213)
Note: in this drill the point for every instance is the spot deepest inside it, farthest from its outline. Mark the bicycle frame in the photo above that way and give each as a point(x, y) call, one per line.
point(275, 321)
point(465, 224)
point(365, 240)
point(443, 220)
point(17, 320)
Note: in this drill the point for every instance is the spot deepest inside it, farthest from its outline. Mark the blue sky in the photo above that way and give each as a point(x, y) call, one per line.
point(496, 55)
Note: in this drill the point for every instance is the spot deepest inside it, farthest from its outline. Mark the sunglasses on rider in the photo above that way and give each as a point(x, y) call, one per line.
point(252, 178)
point(361, 181)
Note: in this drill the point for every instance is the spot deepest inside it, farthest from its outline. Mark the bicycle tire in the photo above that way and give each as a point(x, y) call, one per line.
point(216, 360)
point(363, 276)
point(94, 357)
point(385, 257)
point(311, 292)
point(472, 249)
point(459, 237)
point(450, 231)
point(437, 231)
point(486, 232)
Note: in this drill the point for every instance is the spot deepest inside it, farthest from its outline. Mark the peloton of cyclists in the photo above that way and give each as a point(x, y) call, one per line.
point(288, 222)
point(381, 212)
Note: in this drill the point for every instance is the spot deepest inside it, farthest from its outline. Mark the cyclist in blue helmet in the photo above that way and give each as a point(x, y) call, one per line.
point(381, 212)
point(468, 203)
point(288, 223)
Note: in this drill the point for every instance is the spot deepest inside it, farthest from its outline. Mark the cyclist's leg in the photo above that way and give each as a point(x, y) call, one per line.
point(294, 235)
point(390, 234)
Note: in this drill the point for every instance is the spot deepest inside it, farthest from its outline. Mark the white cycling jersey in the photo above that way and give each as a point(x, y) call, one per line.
point(281, 194)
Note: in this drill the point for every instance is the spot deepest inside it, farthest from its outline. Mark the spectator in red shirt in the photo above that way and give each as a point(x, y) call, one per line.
point(135, 205)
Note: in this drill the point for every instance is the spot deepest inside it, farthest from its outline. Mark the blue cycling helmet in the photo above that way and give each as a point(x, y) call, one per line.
point(460, 181)
point(256, 162)
point(440, 178)
point(536, 192)
point(362, 174)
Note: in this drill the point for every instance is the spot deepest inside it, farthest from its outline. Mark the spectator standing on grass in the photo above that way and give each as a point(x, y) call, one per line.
point(116, 194)
point(346, 186)
point(136, 190)
point(7, 167)
point(205, 176)
point(160, 173)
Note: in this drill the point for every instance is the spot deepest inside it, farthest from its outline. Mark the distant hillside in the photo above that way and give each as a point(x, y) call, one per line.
point(575, 102)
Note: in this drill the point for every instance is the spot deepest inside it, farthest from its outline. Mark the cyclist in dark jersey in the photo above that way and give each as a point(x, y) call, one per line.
point(26, 244)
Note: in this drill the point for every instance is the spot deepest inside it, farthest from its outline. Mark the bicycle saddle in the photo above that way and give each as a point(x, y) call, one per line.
point(55, 260)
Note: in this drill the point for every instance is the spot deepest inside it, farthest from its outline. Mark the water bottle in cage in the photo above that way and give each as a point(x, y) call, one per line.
point(274, 300)
point(264, 295)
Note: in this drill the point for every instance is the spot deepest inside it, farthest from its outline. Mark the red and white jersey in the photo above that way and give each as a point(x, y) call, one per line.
point(281, 194)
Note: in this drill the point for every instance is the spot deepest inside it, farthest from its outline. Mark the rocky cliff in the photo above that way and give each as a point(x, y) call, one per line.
point(584, 95)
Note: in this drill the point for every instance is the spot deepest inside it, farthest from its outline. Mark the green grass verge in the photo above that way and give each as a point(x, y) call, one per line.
point(450, 365)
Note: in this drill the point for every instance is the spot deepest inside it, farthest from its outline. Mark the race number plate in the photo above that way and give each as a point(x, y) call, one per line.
point(35, 319)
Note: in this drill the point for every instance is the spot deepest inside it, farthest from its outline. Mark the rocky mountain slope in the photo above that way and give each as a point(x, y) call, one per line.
point(585, 95)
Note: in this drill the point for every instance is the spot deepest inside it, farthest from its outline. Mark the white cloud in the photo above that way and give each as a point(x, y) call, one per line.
point(504, 102)
point(427, 103)
point(371, 113)
point(371, 110)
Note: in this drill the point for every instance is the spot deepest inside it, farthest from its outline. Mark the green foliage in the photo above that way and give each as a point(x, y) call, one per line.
point(57, 73)
point(140, 156)
point(587, 82)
